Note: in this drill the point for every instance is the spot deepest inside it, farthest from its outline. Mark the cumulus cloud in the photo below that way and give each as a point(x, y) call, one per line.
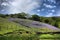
point(30, 6)
point(23, 6)
point(38, 10)
point(49, 6)
point(53, 1)
point(53, 10)
point(49, 15)
point(4, 4)
point(55, 14)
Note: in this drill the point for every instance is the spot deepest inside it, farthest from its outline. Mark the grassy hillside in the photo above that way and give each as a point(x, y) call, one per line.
point(54, 21)
point(13, 30)
point(8, 26)
point(35, 25)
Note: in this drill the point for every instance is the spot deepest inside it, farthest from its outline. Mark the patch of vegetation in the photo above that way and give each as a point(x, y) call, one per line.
point(55, 21)
point(8, 26)
point(10, 30)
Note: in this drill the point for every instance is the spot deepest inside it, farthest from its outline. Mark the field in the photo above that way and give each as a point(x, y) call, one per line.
point(14, 30)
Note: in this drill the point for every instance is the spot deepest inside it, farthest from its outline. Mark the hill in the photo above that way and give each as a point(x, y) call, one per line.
point(24, 29)
point(43, 27)
point(54, 21)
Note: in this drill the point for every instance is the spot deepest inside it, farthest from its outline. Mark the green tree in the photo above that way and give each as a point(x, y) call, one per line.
point(35, 17)
point(21, 15)
point(2, 15)
point(56, 24)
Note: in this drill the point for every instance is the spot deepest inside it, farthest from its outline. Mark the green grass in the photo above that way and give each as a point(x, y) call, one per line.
point(13, 31)
point(8, 26)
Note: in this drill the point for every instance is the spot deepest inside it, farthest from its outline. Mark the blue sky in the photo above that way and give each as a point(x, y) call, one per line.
point(46, 8)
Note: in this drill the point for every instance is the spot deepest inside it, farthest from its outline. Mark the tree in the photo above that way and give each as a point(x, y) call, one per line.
point(21, 15)
point(56, 24)
point(11, 15)
point(46, 21)
point(35, 17)
point(2, 15)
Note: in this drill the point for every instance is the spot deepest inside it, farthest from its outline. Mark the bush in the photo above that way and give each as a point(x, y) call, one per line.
point(2, 15)
point(35, 17)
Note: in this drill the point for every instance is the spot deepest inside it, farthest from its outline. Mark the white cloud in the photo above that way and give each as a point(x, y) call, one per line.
point(49, 6)
point(4, 4)
point(53, 10)
point(38, 10)
point(23, 6)
point(49, 15)
point(53, 1)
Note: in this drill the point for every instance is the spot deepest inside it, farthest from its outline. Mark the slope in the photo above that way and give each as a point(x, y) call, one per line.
point(38, 26)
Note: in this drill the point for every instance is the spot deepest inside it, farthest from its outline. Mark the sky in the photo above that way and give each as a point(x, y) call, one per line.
point(45, 8)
